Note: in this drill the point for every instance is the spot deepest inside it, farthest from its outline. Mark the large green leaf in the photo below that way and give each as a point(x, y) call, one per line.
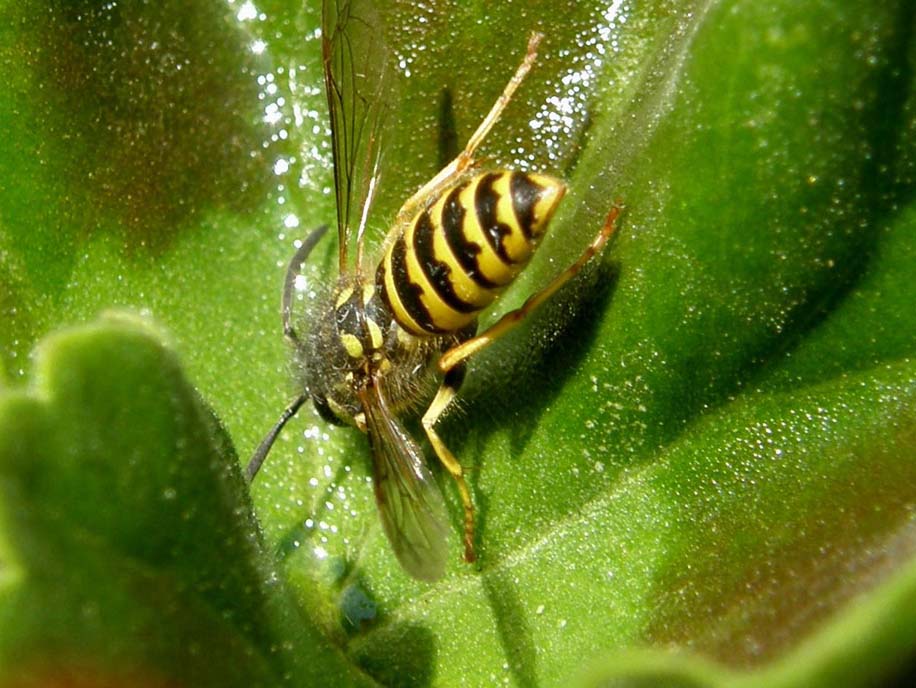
point(130, 551)
point(704, 444)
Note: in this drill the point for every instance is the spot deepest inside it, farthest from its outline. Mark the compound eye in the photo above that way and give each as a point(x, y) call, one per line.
point(324, 409)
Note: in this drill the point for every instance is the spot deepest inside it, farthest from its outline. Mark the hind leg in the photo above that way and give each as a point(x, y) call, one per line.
point(461, 352)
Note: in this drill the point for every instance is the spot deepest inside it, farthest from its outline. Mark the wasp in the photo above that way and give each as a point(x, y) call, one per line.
point(391, 327)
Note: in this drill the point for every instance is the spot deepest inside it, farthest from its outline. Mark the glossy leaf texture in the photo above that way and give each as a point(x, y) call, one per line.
point(694, 466)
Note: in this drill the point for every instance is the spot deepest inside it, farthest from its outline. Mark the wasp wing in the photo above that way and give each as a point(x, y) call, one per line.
point(409, 501)
point(358, 83)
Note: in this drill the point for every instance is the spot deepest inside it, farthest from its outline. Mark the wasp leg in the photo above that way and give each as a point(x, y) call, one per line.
point(457, 167)
point(440, 403)
point(461, 352)
point(293, 270)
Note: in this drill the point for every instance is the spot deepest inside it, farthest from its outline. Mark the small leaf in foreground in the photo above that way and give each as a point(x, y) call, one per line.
point(128, 540)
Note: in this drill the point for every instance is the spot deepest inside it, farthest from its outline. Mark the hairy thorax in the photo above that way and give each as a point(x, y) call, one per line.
point(354, 341)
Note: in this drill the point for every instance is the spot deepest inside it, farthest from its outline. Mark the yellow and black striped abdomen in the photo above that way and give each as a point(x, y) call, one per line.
point(456, 256)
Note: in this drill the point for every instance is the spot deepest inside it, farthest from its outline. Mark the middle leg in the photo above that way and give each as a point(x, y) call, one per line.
point(447, 391)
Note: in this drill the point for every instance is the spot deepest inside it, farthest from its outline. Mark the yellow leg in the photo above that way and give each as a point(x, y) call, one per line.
point(465, 160)
point(443, 398)
point(463, 351)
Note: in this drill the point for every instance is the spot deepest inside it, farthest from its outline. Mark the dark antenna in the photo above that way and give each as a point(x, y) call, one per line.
point(254, 465)
point(286, 307)
point(293, 270)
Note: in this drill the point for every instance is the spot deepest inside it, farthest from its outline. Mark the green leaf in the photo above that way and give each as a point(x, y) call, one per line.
point(703, 445)
point(129, 546)
point(861, 647)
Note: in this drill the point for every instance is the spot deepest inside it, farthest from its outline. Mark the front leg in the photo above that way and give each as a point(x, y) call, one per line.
point(447, 391)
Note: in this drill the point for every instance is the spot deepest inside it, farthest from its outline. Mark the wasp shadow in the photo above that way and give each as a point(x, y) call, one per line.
point(538, 368)
point(512, 387)
point(885, 188)
point(404, 658)
point(512, 627)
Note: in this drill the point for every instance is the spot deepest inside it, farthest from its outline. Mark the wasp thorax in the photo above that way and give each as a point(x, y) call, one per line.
point(360, 321)
point(354, 341)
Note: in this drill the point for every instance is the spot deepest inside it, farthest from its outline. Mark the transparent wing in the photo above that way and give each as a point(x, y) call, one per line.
point(409, 502)
point(358, 82)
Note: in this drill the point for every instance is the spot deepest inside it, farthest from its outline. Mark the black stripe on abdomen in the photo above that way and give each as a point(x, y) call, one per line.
point(465, 251)
point(485, 201)
point(525, 195)
point(437, 272)
point(408, 292)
